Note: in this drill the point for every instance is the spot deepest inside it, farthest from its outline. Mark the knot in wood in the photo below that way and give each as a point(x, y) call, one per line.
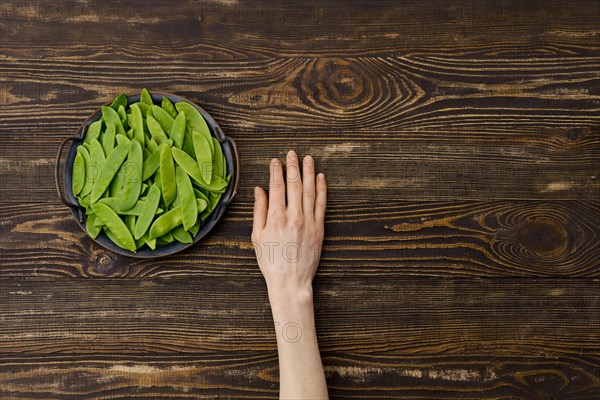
point(543, 237)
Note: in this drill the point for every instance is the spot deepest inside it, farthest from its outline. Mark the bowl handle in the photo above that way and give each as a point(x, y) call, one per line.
point(56, 172)
point(237, 168)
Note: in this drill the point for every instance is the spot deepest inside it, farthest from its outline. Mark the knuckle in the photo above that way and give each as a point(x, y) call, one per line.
point(277, 184)
point(296, 221)
point(309, 193)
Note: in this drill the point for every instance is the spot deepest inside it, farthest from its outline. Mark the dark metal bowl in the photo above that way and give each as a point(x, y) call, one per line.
point(233, 167)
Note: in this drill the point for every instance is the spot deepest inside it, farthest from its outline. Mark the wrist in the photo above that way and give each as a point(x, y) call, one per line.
point(291, 301)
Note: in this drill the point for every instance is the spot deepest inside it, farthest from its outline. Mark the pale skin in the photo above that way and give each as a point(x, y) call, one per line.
point(287, 239)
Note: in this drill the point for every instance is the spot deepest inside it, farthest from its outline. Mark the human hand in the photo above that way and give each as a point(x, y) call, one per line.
point(288, 239)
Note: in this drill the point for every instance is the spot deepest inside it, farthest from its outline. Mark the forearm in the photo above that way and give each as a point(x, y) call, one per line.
point(300, 367)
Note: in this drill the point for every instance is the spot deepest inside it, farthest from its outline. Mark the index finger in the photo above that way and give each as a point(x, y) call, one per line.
point(276, 189)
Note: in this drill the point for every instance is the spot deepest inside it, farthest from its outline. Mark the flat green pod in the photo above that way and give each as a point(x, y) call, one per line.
point(156, 130)
point(167, 176)
point(108, 171)
point(177, 133)
point(168, 106)
point(203, 156)
point(93, 131)
point(108, 139)
point(120, 100)
point(146, 98)
point(195, 120)
point(119, 232)
point(111, 116)
point(185, 191)
point(137, 123)
point(78, 175)
point(179, 233)
point(163, 118)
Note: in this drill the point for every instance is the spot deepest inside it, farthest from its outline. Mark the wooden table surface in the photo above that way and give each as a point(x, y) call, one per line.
point(461, 143)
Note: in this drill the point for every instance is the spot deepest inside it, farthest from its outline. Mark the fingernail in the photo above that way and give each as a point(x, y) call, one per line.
point(275, 161)
point(321, 177)
point(255, 192)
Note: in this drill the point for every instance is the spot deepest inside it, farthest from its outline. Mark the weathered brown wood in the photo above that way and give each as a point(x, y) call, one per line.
point(232, 30)
point(423, 128)
point(166, 337)
point(460, 141)
point(453, 239)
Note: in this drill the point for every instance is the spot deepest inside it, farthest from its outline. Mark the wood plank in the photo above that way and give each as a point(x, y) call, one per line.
point(451, 239)
point(447, 338)
point(423, 128)
point(352, 95)
point(233, 30)
point(254, 375)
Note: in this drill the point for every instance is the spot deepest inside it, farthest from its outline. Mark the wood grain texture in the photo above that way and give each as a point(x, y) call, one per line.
point(166, 337)
point(232, 30)
point(423, 128)
point(452, 239)
point(461, 142)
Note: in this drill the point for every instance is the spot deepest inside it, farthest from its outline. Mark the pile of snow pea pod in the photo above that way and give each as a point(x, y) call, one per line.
point(148, 174)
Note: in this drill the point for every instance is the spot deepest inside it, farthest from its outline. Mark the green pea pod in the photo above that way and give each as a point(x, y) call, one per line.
point(151, 164)
point(186, 162)
point(148, 212)
point(78, 176)
point(203, 156)
point(120, 233)
point(142, 106)
point(147, 153)
point(167, 176)
point(185, 191)
point(196, 121)
point(163, 118)
point(114, 189)
point(201, 205)
point(213, 200)
point(191, 167)
point(188, 144)
point(130, 221)
point(165, 239)
point(165, 223)
point(178, 130)
point(152, 145)
point(150, 242)
point(108, 139)
point(135, 210)
point(218, 163)
point(156, 130)
point(200, 195)
point(115, 239)
point(90, 226)
point(97, 159)
point(123, 117)
point(179, 233)
point(133, 176)
point(121, 139)
point(120, 100)
point(168, 107)
point(96, 152)
point(111, 116)
point(84, 201)
point(108, 171)
point(93, 131)
point(146, 98)
point(194, 229)
point(137, 124)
